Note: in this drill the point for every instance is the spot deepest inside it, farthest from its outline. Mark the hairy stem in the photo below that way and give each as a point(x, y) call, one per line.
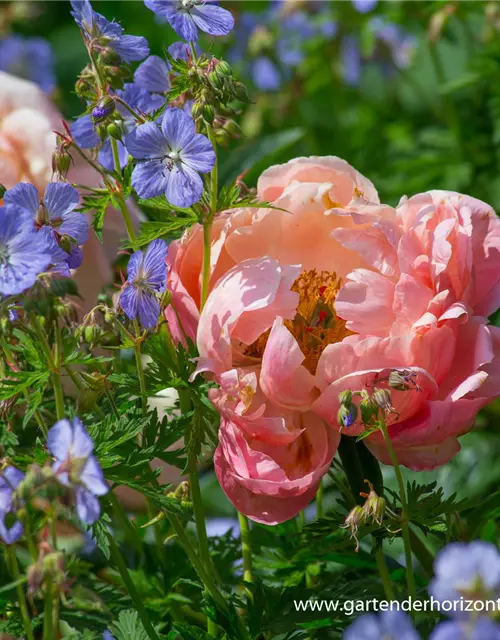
point(246, 548)
point(131, 588)
point(410, 578)
point(23, 605)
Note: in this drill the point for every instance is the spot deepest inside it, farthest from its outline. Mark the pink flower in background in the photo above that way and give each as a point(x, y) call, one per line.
point(336, 292)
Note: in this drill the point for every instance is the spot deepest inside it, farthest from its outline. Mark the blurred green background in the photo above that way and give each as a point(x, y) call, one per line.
point(407, 92)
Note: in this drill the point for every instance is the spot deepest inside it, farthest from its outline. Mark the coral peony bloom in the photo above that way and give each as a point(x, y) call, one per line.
point(338, 292)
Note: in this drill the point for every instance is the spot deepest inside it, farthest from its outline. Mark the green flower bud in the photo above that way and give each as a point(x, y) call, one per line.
point(240, 92)
point(233, 129)
point(347, 415)
point(197, 110)
point(109, 56)
point(216, 80)
point(2, 190)
point(208, 113)
point(345, 397)
point(84, 89)
point(222, 137)
point(223, 69)
point(91, 333)
point(115, 131)
point(103, 109)
point(369, 411)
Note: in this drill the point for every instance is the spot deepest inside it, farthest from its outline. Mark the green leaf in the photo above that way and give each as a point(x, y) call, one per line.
point(128, 627)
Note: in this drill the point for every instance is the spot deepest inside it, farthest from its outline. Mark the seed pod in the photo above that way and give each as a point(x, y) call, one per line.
point(233, 128)
point(240, 92)
point(197, 110)
point(208, 113)
point(215, 80)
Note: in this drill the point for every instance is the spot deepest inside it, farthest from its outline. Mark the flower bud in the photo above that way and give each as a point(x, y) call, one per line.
point(84, 89)
point(109, 56)
point(399, 379)
point(197, 110)
point(347, 415)
point(216, 80)
point(2, 190)
point(95, 381)
point(208, 113)
point(345, 397)
point(222, 137)
point(91, 334)
point(240, 92)
point(223, 69)
point(103, 109)
point(233, 129)
point(115, 131)
point(61, 162)
point(369, 411)
point(382, 398)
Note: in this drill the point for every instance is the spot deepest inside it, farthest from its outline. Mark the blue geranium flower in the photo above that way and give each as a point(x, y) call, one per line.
point(9, 481)
point(171, 158)
point(389, 625)
point(188, 17)
point(29, 58)
point(146, 278)
point(154, 73)
point(24, 254)
point(76, 467)
point(100, 31)
point(469, 571)
point(481, 629)
point(364, 6)
point(83, 128)
point(56, 220)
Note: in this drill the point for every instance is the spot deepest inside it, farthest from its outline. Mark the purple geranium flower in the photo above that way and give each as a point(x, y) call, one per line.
point(30, 58)
point(469, 571)
point(153, 75)
point(83, 128)
point(108, 34)
point(481, 629)
point(9, 481)
point(76, 467)
point(265, 74)
point(172, 158)
point(364, 6)
point(389, 625)
point(187, 16)
point(24, 254)
point(146, 278)
point(55, 218)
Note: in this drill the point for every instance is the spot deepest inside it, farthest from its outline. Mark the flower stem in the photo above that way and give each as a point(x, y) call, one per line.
point(131, 588)
point(140, 370)
point(52, 364)
point(207, 224)
point(119, 195)
point(23, 605)
point(48, 614)
point(382, 569)
point(198, 566)
point(319, 500)
point(422, 553)
point(199, 517)
point(410, 578)
point(128, 527)
point(246, 548)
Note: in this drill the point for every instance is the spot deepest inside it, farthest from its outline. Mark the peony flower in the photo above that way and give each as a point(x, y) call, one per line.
point(338, 292)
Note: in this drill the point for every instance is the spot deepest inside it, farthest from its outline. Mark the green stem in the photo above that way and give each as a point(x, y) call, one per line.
point(136, 115)
point(199, 518)
point(131, 588)
point(89, 161)
point(80, 386)
point(410, 578)
point(56, 378)
point(140, 370)
point(302, 520)
point(48, 614)
point(383, 571)
point(205, 577)
point(246, 548)
point(108, 395)
point(116, 156)
point(129, 529)
point(422, 553)
point(23, 605)
point(53, 367)
point(319, 501)
point(126, 216)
